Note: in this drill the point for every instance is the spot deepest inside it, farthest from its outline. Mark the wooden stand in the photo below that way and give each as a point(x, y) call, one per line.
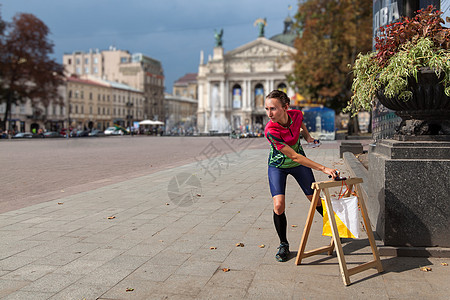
point(335, 240)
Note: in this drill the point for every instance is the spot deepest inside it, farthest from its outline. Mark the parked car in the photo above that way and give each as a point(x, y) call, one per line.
point(110, 130)
point(96, 132)
point(82, 133)
point(52, 134)
point(23, 135)
point(118, 132)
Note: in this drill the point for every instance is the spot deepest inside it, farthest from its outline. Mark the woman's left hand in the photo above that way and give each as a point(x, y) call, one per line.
point(310, 139)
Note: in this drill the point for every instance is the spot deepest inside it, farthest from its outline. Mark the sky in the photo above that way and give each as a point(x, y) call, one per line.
point(171, 31)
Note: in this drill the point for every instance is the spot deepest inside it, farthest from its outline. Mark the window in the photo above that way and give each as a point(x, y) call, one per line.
point(259, 95)
point(103, 110)
point(77, 93)
point(123, 59)
point(76, 109)
point(98, 97)
point(95, 60)
point(237, 96)
point(282, 87)
point(77, 61)
point(98, 110)
point(90, 95)
point(61, 110)
point(54, 110)
point(82, 94)
point(90, 110)
point(78, 70)
point(95, 70)
point(70, 93)
point(82, 109)
point(86, 61)
point(86, 70)
point(107, 98)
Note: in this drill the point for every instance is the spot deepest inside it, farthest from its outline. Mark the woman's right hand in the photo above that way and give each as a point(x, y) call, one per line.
point(331, 172)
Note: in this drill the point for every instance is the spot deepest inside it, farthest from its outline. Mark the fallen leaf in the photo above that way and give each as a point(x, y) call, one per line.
point(239, 212)
point(199, 195)
point(167, 204)
point(212, 248)
point(444, 264)
point(294, 225)
point(112, 217)
point(129, 290)
point(226, 270)
point(60, 203)
point(62, 191)
point(239, 245)
point(425, 269)
point(262, 246)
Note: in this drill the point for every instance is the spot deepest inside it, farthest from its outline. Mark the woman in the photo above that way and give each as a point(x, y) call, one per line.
point(287, 157)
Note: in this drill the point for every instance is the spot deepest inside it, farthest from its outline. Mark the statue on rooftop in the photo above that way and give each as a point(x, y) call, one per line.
point(261, 23)
point(218, 37)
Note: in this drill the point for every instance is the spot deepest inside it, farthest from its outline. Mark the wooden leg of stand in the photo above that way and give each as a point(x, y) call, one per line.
point(330, 252)
point(312, 210)
point(366, 219)
point(337, 241)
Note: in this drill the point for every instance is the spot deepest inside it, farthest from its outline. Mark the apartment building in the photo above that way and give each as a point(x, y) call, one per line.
point(98, 104)
point(186, 86)
point(135, 70)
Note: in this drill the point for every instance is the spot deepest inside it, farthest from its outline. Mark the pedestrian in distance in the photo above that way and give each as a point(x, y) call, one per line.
point(284, 131)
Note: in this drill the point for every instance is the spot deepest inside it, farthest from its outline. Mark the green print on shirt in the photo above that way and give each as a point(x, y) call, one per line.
point(277, 158)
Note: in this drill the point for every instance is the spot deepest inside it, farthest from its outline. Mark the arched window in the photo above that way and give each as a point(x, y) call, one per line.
point(259, 95)
point(237, 96)
point(282, 87)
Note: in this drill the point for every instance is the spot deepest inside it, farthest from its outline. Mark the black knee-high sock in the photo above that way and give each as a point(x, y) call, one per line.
point(320, 210)
point(280, 225)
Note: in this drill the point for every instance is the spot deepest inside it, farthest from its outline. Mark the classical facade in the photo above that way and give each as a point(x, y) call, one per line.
point(232, 86)
point(135, 70)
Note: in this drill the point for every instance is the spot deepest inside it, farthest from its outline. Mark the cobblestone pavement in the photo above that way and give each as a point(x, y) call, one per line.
point(40, 170)
point(170, 234)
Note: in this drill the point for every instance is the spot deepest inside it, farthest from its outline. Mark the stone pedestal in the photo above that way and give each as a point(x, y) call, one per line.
point(409, 192)
point(353, 147)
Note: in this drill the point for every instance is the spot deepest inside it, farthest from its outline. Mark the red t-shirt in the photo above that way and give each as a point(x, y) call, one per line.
point(280, 136)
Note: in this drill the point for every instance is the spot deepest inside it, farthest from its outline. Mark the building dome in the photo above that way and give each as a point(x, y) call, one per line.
point(288, 36)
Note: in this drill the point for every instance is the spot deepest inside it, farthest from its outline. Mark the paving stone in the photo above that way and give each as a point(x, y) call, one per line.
point(79, 267)
point(23, 295)
point(51, 283)
point(236, 279)
point(152, 272)
point(10, 286)
point(80, 291)
point(15, 262)
point(29, 272)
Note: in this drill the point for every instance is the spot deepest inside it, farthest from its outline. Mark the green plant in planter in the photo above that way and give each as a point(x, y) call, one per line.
point(402, 50)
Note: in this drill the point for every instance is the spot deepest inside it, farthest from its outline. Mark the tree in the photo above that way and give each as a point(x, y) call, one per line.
point(26, 70)
point(333, 32)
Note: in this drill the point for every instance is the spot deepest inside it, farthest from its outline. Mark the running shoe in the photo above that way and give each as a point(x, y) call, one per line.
point(283, 252)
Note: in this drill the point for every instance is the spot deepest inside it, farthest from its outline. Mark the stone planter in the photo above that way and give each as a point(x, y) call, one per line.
point(427, 112)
